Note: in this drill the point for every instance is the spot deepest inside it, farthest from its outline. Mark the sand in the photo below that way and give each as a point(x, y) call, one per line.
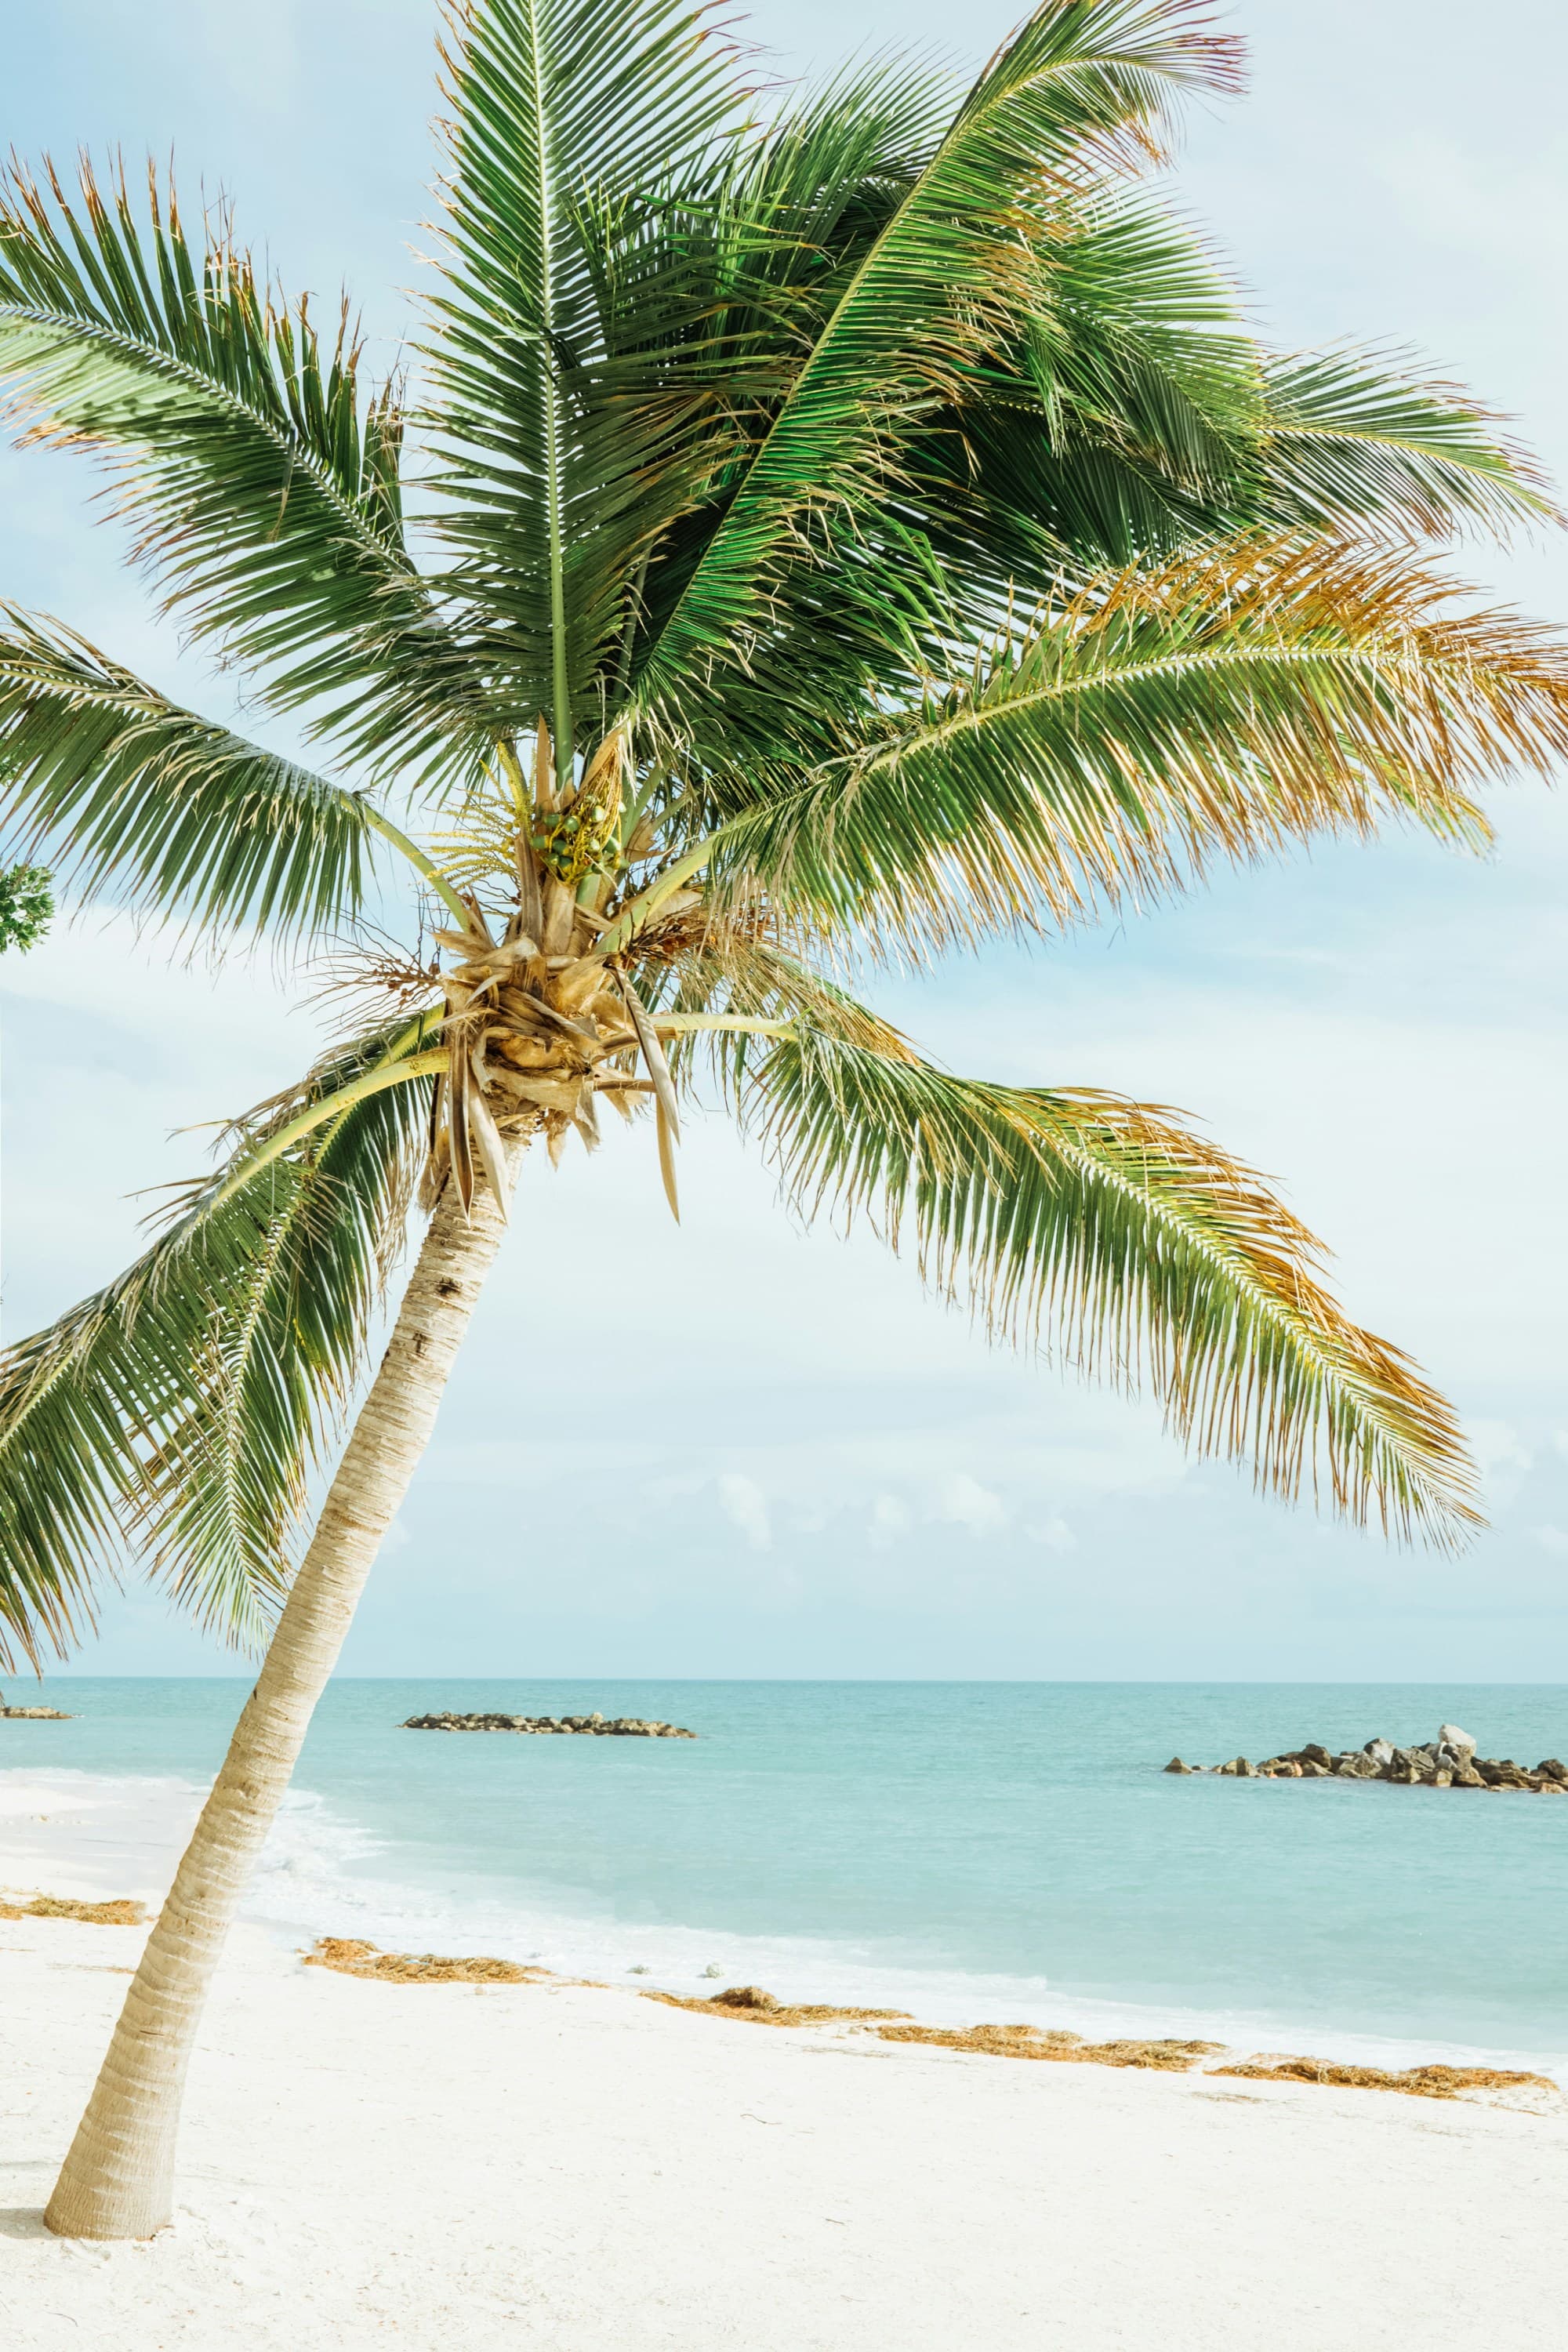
point(555, 2168)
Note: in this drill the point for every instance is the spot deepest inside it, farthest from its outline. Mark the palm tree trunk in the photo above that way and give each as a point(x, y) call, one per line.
point(117, 2179)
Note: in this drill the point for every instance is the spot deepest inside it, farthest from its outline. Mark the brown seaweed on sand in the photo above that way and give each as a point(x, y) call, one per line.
point(352, 1957)
point(1416, 2082)
point(119, 1913)
point(759, 2008)
point(1068, 2049)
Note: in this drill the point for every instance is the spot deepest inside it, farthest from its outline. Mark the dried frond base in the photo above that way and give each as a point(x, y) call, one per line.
point(119, 1913)
point(353, 1959)
point(1068, 2049)
point(1416, 2082)
point(755, 2007)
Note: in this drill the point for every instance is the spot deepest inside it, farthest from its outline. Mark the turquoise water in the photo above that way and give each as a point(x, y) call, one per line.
point(964, 1845)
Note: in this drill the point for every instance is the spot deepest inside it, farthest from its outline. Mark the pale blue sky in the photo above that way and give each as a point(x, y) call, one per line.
point(783, 1460)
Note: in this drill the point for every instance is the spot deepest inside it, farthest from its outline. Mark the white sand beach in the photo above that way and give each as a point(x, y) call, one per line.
point(555, 2169)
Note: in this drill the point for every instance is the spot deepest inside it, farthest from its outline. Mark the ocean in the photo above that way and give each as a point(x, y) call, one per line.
point(1010, 1851)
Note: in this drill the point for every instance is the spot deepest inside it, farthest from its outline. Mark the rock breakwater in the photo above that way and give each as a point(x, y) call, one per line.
point(1449, 1762)
point(590, 1727)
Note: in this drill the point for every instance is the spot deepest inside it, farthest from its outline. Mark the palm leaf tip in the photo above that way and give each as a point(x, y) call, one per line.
point(1349, 431)
point(142, 801)
point(1138, 1252)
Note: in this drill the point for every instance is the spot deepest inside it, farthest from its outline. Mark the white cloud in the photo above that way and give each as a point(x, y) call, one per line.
point(961, 1501)
point(1053, 1534)
point(1497, 1446)
point(1552, 1539)
point(890, 1519)
point(746, 1507)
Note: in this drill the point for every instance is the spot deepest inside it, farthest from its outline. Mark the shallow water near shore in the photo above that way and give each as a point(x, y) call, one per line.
point(960, 1850)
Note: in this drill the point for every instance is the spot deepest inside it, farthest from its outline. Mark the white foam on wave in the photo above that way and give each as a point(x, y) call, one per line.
point(93, 1835)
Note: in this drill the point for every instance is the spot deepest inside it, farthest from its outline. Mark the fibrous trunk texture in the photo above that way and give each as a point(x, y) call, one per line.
point(117, 2179)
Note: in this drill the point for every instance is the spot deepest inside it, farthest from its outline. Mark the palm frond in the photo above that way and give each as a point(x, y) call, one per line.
point(262, 481)
point(177, 1414)
point(1351, 434)
point(1138, 1250)
point(558, 108)
point(711, 285)
point(1119, 424)
point(1136, 413)
point(1222, 707)
point(950, 280)
point(141, 801)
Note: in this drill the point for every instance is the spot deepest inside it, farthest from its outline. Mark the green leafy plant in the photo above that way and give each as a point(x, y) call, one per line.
point(26, 906)
point(850, 526)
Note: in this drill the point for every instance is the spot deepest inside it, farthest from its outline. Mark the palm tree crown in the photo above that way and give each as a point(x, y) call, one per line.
point(842, 527)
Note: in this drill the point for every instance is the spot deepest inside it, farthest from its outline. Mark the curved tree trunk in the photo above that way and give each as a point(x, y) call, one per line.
point(117, 2179)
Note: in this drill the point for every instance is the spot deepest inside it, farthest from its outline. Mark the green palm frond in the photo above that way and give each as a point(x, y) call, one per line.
point(1348, 434)
point(1138, 1250)
point(560, 108)
point(713, 286)
point(1117, 422)
point(262, 482)
point(1222, 707)
point(951, 279)
point(1137, 412)
point(143, 802)
point(178, 1413)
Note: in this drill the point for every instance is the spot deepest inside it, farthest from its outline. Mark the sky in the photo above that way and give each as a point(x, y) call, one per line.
point(735, 1448)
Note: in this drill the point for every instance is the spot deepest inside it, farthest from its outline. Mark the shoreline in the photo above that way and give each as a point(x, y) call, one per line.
point(538, 2168)
point(53, 1841)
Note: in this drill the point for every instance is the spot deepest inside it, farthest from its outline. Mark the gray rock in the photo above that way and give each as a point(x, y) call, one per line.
point(590, 1727)
point(1450, 1735)
point(1380, 1750)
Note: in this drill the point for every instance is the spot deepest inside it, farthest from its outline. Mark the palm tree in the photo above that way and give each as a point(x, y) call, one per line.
point(848, 528)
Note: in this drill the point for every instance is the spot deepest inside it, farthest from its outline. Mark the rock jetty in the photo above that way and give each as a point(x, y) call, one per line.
point(32, 1714)
point(1449, 1762)
point(591, 1727)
